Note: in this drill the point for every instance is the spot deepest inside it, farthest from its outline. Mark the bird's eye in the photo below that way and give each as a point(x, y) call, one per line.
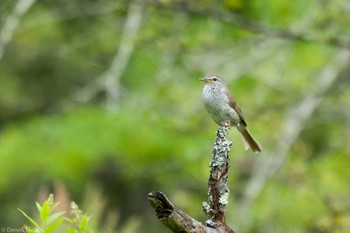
point(215, 79)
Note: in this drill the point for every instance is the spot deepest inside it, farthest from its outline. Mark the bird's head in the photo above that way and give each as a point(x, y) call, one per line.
point(213, 81)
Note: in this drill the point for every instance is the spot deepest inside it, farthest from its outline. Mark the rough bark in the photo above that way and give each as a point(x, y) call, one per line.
point(178, 221)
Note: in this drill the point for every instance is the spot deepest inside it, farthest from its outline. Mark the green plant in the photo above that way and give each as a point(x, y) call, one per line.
point(50, 221)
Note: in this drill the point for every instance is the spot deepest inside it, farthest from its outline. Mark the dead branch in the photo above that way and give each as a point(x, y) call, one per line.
point(178, 221)
point(110, 80)
point(218, 187)
point(121, 59)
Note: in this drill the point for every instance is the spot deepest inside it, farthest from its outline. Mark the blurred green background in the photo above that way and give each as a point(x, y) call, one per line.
point(100, 103)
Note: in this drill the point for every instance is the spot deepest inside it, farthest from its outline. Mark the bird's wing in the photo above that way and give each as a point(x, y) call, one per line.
point(234, 105)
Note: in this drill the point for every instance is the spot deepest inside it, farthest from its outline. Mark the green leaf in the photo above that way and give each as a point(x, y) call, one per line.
point(30, 219)
point(71, 230)
point(83, 222)
point(45, 211)
point(54, 217)
point(38, 206)
point(53, 226)
point(70, 220)
point(53, 206)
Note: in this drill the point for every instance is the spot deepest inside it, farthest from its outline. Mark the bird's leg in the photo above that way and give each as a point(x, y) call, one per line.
point(228, 122)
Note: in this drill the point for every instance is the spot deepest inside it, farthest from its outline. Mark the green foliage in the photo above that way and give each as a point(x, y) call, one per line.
point(81, 220)
point(50, 221)
point(55, 125)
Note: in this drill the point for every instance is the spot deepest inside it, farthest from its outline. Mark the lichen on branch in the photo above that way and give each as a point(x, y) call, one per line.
point(218, 192)
point(180, 222)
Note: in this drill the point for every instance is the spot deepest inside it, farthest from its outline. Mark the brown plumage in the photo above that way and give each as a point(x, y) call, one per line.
point(221, 106)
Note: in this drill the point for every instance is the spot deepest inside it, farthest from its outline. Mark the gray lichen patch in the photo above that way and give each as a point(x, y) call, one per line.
point(218, 193)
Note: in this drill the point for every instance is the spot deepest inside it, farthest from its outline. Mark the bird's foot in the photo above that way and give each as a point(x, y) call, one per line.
point(227, 122)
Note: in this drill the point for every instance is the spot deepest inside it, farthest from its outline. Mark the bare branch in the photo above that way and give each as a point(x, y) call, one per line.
point(218, 186)
point(173, 217)
point(121, 59)
point(110, 80)
point(178, 221)
point(294, 123)
point(12, 22)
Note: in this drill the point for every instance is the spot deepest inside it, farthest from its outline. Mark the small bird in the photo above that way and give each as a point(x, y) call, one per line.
point(221, 106)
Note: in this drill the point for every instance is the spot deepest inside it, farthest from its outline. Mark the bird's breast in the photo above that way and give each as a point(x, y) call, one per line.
point(217, 104)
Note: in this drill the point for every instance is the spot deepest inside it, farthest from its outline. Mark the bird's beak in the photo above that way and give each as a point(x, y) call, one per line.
point(203, 79)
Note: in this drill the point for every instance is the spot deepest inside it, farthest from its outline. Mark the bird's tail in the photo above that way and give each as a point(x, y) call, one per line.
point(250, 141)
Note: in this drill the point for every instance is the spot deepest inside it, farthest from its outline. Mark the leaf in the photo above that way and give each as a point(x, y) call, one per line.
point(70, 220)
point(83, 222)
point(53, 226)
point(71, 230)
point(29, 218)
point(54, 217)
point(45, 211)
point(54, 206)
point(38, 206)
